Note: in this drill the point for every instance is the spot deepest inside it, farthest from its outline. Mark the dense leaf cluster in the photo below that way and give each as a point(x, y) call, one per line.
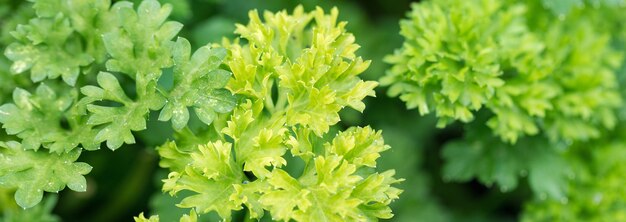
point(538, 86)
point(250, 122)
point(294, 74)
point(64, 119)
point(269, 100)
point(529, 78)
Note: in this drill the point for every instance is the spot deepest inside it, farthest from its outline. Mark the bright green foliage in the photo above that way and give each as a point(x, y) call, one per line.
point(140, 49)
point(142, 218)
point(137, 44)
point(142, 46)
point(359, 146)
point(117, 121)
point(198, 83)
point(33, 172)
point(585, 73)
point(294, 74)
point(36, 119)
point(534, 82)
point(39, 213)
point(191, 217)
point(212, 175)
point(451, 60)
point(597, 193)
point(539, 81)
point(332, 193)
point(9, 20)
point(316, 95)
point(63, 40)
point(531, 80)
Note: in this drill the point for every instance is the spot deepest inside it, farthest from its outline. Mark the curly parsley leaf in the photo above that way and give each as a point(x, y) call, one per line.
point(33, 172)
point(198, 83)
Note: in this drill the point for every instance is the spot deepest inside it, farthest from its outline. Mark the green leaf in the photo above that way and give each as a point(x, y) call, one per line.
point(198, 83)
point(62, 41)
point(329, 194)
point(314, 82)
point(492, 161)
point(521, 67)
point(49, 56)
point(36, 119)
point(266, 150)
point(117, 123)
point(33, 172)
point(596, 193)
point(142, 218)
point(142, 46)
point(293, 75)
point(359, 146)
point(39, 213)
point(172, 157)
point(288, 195)
point(211, 175)
point(450, 70)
